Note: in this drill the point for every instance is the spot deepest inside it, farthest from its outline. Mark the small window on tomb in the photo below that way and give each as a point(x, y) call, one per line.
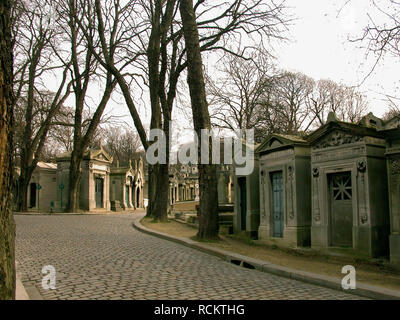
point(342, 189)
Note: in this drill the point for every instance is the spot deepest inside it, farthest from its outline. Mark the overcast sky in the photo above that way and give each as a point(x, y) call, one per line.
point(320, 47)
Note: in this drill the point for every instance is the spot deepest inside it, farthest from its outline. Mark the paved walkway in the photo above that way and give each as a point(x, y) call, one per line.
point(103, 257)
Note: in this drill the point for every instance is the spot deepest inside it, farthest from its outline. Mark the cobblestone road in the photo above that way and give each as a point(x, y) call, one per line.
point(103, 257)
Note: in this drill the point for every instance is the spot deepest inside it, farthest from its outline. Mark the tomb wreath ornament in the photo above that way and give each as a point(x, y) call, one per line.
point(361, 166)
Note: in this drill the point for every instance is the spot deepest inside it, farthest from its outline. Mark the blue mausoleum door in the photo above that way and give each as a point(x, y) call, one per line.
point(277, 204)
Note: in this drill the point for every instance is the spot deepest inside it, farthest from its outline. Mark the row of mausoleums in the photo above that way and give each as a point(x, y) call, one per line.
point(102, 187)
point(184, 183)
point(338, 187)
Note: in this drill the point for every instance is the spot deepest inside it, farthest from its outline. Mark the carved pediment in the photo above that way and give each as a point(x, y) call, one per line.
point(393, 123)
point(102, 156)
point(275, 143)
point(336, 138)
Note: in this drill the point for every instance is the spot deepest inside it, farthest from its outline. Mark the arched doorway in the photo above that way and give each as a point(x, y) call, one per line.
point(138, 197)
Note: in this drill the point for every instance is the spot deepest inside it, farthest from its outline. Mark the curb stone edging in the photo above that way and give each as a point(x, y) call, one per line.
point(362, 290)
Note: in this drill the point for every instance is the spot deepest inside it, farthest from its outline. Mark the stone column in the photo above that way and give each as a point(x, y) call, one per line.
point(197, 191)
point(394, 202)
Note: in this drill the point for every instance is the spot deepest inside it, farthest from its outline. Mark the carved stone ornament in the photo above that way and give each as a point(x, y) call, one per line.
point(315, 172)
point(317, 216)
point(337, 138)
point(395, 166)
point(362, 166)
point(364, 219)
point(290, 172)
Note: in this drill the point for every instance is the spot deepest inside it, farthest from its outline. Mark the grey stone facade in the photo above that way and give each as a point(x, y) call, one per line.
point(246, 199)
point(94, 192)
point(349, 187)
point(392, 134)
point(285, 191)
point(127, 187)
point(42, 188)
point(337, 189)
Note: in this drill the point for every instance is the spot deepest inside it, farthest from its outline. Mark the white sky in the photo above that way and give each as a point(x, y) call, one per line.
point(320, 47)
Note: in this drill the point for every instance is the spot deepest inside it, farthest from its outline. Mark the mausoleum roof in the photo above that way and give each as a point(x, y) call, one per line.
point(276, 141)
point(95, 154)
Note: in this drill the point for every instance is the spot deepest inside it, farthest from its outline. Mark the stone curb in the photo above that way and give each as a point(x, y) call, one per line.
point(22, 292)
point(362, 290)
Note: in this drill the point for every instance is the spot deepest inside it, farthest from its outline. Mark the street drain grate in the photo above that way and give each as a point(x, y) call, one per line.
point(243, 264)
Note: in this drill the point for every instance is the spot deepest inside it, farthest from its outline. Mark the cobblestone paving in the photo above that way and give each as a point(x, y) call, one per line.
point(103, 257)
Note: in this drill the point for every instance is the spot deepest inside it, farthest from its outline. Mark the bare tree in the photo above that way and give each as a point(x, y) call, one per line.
point(7, 225)
point(83, 70)
point(235, 96)
point(382, 39)
point(346, 102)
point(208, 208)
point(34, 42)
point(123, 144)
point(159, 38)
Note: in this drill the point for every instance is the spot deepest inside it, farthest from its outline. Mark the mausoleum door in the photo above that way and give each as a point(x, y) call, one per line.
point(99, 186)
point(127, 196)
point(277, 204)
point(138, 197)
point(341, 216)
point(243, 203)
point(33, 195)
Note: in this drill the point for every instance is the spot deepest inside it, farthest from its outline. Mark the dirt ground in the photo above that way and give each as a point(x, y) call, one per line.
point(370, 273)
point(186, 206)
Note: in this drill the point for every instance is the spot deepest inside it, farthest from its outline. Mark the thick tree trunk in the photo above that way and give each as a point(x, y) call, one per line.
point(153, 180)
point(208, 208)
point(23, 183)
point(160, 204)
point(22, 204)
point(158, 199)
point(7, 226)
point(74, 182)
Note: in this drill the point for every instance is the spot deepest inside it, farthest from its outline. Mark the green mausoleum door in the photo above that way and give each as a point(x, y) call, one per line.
point(243, 203)
point(127, 196)
point(277, 204)
point(341, 194)
point(99, 186)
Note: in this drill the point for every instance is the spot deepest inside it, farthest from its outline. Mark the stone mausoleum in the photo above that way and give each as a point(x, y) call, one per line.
point(349, 186)
point(42, 189)
point(126, 189)
point(94, 192)
point(285, 191)
point(392, 135)
point(336, 189)
point(246, 198)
